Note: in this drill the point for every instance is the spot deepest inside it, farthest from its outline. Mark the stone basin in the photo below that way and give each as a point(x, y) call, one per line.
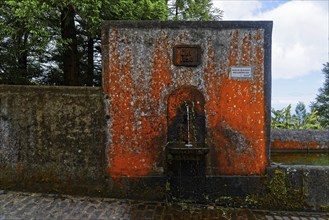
point(182, 151)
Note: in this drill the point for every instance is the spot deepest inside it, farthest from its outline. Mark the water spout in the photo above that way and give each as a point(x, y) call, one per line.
point(188, 125)
point(186, 120)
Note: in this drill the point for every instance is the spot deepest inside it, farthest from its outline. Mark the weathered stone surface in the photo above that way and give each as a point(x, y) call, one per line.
point(52, 138)
point(286, 139)
point(306, 185)
point(316, 188)
point(139, 77)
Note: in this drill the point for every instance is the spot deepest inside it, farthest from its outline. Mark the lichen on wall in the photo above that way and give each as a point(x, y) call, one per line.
point(139, 77)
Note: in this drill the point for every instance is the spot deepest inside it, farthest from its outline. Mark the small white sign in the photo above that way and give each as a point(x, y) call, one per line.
point(241, 73)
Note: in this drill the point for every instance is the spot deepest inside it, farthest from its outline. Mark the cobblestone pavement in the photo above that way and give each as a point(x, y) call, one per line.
point(19, 205)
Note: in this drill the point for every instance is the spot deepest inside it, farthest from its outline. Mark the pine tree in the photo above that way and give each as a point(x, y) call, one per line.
point(321, 105)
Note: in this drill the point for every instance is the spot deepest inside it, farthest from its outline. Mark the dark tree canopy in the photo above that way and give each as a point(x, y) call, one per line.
point(58, 42)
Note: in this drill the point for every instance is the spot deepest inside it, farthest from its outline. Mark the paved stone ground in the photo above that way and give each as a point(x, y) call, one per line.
point(19, 205)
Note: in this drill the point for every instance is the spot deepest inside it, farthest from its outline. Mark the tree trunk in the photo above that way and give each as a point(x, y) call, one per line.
point(22, 58)
point(70, 54)
point(90, 73)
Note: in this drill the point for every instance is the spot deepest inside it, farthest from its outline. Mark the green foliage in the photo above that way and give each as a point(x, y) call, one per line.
point(194, 10)
point(32, 46)
point(282, 118)
point(321, 105)
point(151, 10)
point(300, 120)
point(24, 37)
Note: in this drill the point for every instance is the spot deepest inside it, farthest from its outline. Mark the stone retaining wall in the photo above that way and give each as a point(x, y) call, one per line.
point(297, 187)
point(51, 138)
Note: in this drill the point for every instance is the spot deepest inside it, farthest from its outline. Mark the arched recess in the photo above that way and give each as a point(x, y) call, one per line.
point(186, 116)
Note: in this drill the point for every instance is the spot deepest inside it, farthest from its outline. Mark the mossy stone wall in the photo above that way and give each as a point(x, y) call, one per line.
point(52, 138)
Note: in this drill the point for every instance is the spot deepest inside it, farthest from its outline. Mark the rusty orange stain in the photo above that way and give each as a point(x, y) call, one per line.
point(181, 95)
point(246, 50)
point(238, 106)
point(178, 56)
point(234, 48)
point(120, 98)
point(134, 149)
point(233, 107)
point(160, 79)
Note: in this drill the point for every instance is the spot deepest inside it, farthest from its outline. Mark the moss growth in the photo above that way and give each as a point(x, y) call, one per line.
point(293, 158)
point(324, 208)
point(280, 194)
point(148, 193)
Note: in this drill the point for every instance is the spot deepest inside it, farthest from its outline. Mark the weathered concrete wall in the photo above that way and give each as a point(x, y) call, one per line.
point(285, 139)
point(52, 138)
point(139, 76)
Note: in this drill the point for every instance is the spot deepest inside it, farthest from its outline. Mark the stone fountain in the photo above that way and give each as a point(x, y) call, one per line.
point(187, 100)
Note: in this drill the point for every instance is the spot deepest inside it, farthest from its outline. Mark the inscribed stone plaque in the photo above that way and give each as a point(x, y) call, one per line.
point(186, 55)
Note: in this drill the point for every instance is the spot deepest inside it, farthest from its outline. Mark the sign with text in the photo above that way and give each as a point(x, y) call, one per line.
point(244, 72)
point(186, 55)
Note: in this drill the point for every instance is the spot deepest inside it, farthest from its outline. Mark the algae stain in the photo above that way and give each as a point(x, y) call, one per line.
point(280, 194)
point(301, 158)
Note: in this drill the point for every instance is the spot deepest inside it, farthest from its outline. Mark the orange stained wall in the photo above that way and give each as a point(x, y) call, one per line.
point(139, 77)
point(236, 119)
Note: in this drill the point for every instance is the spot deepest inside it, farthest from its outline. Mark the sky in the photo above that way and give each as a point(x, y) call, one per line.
point(300, 44)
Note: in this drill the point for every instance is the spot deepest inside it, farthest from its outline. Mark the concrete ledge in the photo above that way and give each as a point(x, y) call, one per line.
point(221, 190)
point(267, 25)
point(303, 140)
